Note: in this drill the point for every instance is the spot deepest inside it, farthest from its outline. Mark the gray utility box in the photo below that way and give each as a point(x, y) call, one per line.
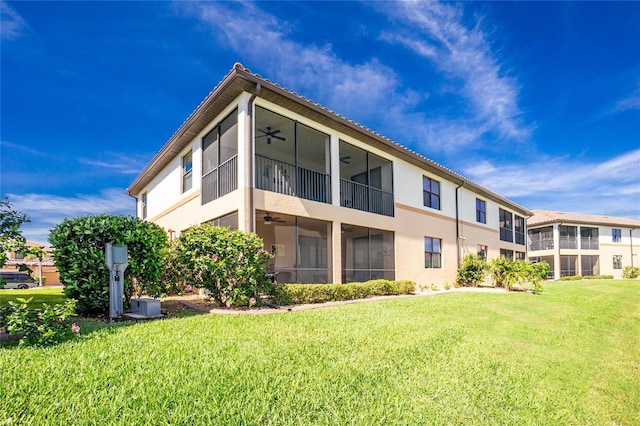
point(146, 307)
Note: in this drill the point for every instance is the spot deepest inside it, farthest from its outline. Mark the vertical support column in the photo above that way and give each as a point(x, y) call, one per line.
point(245, 173)
point(335, 171)
point(336, 245)
point(556, 252)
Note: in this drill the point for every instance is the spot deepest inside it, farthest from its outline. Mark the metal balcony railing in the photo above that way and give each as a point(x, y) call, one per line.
point(589, 243)
point(568, 242)
point(220, 181)
point(285, 178)
point(363, 197)
point(540, 245)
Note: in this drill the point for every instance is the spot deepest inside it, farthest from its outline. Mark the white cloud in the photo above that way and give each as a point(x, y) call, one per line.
point(435, 31)
point(567, 184)
point(629, 103)
point(13, 26)
point(46, 210)
point(118, 163)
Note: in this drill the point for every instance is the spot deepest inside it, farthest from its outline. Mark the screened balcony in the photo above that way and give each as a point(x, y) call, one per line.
point(366, 181)
point(291, 158)
point(220, 159)
point(541, 239)
point(568, 237)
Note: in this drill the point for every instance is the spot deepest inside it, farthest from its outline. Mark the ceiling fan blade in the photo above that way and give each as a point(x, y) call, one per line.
point(275, 132)
point(278, 137)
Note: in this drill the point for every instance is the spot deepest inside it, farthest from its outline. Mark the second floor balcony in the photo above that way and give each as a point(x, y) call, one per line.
point(286, 178)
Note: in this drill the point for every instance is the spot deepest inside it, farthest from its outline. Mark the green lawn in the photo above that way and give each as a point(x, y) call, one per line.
point(570, 356)
point(40, 295)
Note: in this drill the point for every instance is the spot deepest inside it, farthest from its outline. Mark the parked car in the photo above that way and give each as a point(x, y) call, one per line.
point(16, 280)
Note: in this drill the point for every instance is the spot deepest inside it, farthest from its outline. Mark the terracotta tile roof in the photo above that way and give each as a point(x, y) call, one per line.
point(544, 217)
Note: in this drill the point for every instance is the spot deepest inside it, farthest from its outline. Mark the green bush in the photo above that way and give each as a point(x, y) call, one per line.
point(294, 294)
point(631, 272)
point(229, 263)
point(472, 271)
point(597, 277)
point(40, 327)
point(571, 278)
point(79, 255)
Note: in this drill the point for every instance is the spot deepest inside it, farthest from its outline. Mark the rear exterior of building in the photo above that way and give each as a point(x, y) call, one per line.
point(580, 244)
point(332, 200)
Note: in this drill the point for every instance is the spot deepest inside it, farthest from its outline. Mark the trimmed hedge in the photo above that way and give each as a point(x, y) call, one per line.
point(598, 277)
point(570, 278)
point(295, 294)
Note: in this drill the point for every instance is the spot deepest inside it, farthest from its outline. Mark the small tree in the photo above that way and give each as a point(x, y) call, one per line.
point(472, 271)
point(79, 255)
point(505, 272)
point(228, 263)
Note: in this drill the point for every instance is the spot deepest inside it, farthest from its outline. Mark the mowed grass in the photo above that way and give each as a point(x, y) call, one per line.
point(570, 356)
point(39, 295)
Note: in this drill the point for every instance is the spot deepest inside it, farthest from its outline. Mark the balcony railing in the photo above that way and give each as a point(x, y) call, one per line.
point(568, 242)
point(285, 178)
point(589, 243)
point(363, 197)
point(220, 181)
point(540, 245)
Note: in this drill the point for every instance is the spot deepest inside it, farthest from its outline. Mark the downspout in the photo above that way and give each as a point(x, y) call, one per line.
point(631, 243)
point(458, 225)
point(250, 158)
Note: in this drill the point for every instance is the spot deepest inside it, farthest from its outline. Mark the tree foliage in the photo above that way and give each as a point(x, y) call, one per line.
point(229, 263)
point(79, 255)
point(11, 238)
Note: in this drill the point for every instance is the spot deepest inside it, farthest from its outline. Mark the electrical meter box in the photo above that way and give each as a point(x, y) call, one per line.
point(147, 307)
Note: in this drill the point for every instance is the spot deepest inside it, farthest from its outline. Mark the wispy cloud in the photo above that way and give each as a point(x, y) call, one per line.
point(371, 91)
point(435, 31)
point(631, 102)
point(47, 210)
point(117, 163)
point(567, 184)
point(13, 26)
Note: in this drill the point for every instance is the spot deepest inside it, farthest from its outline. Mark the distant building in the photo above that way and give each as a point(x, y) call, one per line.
point(583, 244)
point(50, 273)
point(334, 201)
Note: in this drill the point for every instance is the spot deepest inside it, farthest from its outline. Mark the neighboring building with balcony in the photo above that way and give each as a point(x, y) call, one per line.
point(583, 244)
point(334, 201)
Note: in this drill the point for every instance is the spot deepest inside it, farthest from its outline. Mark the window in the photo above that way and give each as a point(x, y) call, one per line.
point(431, 193)
point(507, 254)
point(617, 261)
point(187, 169)
point(144, 205)
point(481, 211)
point(506, 226)
point(519, 229)
point(432, 252)
point(616, 235)
point(520, 255)
point(482, 251)
point(590, 265)
point(19, 255)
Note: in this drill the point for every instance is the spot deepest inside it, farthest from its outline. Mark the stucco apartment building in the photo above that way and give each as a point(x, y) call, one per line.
point(334, 201)
point(583, 244)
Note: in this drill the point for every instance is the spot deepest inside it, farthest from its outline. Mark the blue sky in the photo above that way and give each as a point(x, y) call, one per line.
point(539, 102)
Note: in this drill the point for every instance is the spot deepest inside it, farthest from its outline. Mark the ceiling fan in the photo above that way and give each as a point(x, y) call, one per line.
point(271, 134)
point(268, 219)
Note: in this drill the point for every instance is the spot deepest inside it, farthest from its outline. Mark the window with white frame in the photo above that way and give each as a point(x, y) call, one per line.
point(144, 205)
point(482, 251)
point(616, 235)
point(432, 252)
point(187, 171)
point(431, 193)
point(481, 211)
point(617, 261)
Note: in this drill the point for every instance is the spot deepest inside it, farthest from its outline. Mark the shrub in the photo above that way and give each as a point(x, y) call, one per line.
point(37, 278)
point(571, 278)
point(288, 294)
point(631, 272)
point(79, 255)
point(597, 277)
point(505, 272)
point(472, 271)
point(229, 263)
point(40, 327)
